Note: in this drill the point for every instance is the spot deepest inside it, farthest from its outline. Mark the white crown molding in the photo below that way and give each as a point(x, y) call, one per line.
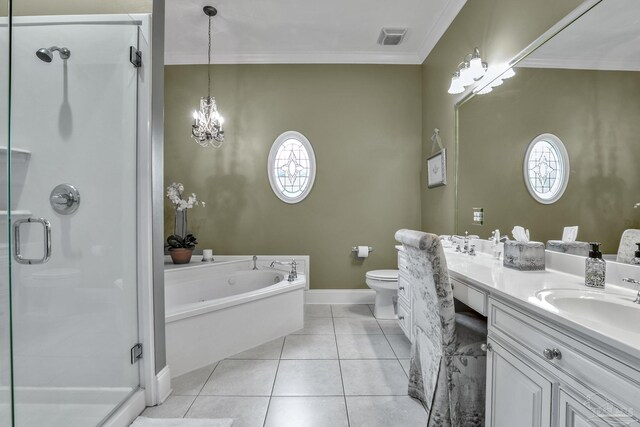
point(446, 17)
point(580, 64)
point(406, 58)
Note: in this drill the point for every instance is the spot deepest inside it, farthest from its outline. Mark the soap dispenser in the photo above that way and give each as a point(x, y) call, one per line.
point(595, 267)
point(636, 258)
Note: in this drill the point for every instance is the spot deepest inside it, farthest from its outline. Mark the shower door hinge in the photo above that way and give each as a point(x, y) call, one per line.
point(135, 57)
point(136, 353)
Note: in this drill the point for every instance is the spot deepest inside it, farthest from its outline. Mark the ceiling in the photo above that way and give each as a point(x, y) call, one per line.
point(605, 38)
point(305, 31)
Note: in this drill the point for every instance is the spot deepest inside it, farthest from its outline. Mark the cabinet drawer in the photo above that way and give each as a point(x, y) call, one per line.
point(403, 261)
point(404, 289)
point(474, 298)
point(587, 369)
point(404, 319)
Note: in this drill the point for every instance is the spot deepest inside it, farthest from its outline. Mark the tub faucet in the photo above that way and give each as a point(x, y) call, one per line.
point(293, 274)
point(635, 282)
point(255, 261)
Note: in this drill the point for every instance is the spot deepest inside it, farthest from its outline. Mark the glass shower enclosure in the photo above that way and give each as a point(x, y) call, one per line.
point(68, 217)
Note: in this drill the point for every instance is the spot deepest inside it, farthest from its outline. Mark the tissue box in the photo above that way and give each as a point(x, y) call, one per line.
point(573, 248)
point(523, 256)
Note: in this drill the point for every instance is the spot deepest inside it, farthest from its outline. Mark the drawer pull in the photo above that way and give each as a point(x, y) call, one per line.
point(401, 288)
point(551, 354)
point(400, 317)
point(486, 347)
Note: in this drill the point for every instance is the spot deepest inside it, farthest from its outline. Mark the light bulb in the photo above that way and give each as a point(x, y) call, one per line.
point(195, 115)
point(221, 120)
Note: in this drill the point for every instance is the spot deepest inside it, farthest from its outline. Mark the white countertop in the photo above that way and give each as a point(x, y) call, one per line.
point(520, 288)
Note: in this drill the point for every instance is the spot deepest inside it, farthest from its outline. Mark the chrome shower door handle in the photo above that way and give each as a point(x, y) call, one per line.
point(47, 241)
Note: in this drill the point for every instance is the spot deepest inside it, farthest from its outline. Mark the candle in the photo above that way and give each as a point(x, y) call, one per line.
point(207, 254)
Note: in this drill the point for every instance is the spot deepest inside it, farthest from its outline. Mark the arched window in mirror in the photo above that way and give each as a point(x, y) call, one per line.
point(546, 168)
point(292, 167)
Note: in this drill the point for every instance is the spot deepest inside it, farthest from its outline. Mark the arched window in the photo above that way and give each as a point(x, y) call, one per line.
point(291, 167)
point(546, 168)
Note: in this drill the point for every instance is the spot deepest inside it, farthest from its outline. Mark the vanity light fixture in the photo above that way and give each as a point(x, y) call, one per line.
point(469, 71)
point(494, 78)
point(207, 121)
point(485, 90)
point(456, 85)
point(476, 67)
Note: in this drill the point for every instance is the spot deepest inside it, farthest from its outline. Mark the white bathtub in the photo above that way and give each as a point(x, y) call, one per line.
point(216, 310)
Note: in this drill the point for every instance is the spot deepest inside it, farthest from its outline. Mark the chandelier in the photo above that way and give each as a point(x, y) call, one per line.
point(207, 121)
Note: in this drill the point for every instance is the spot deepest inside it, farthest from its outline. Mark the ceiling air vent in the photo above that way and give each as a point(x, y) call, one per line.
point(391, 36)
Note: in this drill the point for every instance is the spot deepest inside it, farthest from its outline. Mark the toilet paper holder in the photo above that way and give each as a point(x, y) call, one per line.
point(355, 249)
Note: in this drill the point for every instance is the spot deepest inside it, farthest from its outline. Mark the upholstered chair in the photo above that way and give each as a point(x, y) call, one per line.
point(448, 366)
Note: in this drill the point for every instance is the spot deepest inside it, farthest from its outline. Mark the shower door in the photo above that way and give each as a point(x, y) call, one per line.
point(5, 347)
point(72, 148)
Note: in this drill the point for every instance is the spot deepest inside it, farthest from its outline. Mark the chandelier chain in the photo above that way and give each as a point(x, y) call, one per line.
point(209, 62)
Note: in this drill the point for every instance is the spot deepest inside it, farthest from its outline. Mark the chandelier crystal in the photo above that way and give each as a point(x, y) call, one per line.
point(207, 121)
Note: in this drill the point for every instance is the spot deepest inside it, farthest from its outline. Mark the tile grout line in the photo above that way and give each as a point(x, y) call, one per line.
point(344, 393)
point(266, 414)
point(392, 349)
point(202, 388)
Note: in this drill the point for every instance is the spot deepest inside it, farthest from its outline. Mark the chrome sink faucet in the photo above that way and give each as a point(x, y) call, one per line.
point(466, 243)
point(635, 282)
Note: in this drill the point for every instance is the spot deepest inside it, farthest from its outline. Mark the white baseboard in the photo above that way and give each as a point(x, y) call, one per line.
point(163, 379)
point(340, 296)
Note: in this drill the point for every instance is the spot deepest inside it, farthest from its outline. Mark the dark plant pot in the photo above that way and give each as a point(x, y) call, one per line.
point(180, 255)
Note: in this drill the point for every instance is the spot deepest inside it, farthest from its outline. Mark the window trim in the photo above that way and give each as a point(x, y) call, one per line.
point(564, 157)
point(271, 170)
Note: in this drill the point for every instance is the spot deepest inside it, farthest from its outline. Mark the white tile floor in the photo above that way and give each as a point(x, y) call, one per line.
point(344, 368)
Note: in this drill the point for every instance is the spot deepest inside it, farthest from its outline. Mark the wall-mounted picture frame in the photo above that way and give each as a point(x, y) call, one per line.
point(437, 169)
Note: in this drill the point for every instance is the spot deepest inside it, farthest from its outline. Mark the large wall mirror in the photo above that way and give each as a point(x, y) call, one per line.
point(582, 87)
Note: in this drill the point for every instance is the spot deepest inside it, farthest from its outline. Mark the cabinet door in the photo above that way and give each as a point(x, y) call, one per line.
point(517, 395)
point(579, 412)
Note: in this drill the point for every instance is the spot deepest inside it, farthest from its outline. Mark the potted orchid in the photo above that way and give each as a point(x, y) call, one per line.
point(181, 243)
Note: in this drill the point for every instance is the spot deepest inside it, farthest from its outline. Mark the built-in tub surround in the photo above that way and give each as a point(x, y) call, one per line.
point(217, 309)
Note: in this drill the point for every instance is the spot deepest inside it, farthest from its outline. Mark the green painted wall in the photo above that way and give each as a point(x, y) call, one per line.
point(501, 29)
point(594, 113)
point(79, 7)
point(364, 122)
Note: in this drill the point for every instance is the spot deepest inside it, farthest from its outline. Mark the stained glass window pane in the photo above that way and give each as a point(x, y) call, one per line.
point(291, 167)
point(546, 168)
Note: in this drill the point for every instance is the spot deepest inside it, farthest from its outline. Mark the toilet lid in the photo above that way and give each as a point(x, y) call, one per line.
point(386, 275)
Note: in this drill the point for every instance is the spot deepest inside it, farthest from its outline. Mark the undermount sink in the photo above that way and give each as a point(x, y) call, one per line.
point(597, 308)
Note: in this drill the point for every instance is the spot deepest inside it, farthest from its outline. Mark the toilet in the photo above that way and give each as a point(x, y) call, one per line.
point(385, 283)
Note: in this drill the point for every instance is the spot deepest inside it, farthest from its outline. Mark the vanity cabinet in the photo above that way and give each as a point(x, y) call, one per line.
point(405, 301)
point(541, 375)
point(517, 395)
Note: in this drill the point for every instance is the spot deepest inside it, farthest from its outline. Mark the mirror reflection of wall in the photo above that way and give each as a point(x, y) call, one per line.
point(584, 87)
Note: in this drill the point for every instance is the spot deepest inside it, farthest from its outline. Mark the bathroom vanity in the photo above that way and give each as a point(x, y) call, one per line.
point(559, 353)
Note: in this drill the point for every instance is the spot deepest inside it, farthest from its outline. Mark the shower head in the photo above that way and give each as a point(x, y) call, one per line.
point(46, 55)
